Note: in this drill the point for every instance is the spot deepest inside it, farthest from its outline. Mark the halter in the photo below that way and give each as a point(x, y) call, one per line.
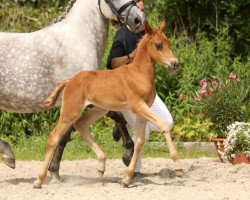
point(119, 11)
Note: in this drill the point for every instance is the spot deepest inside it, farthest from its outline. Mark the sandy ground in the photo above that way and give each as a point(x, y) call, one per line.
point(205, 178)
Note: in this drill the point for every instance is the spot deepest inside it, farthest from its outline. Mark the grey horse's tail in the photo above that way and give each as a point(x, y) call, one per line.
point(50, 101)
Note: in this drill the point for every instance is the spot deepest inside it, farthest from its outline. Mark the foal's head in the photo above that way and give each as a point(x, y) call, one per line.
point(159, 47)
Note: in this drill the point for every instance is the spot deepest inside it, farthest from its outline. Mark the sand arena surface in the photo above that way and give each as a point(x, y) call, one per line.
point(206, 178)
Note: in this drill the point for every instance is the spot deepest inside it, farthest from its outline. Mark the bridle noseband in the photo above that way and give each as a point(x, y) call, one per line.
point(119, 11)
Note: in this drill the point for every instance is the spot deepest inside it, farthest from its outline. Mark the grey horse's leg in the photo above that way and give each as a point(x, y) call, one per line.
point(55, 162)
point(8, 156)
point(121, 131)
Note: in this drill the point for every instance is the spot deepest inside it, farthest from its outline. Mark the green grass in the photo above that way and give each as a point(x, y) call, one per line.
point(34, 147)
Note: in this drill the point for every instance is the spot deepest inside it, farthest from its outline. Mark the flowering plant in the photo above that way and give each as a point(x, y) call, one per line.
point(223, 101)
point(237, 141)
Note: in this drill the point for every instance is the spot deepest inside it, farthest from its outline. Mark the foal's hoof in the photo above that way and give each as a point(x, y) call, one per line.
point(126, 182)
point(37, 184)
point(10, 162)
point(124, 185)
point(100, 173)
point(179, 173)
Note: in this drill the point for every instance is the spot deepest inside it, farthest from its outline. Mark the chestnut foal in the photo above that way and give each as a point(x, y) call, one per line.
point(103, 90)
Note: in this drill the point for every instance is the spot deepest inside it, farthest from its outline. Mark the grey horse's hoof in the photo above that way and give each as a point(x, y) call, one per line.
point(55, 176)
point(179, 173)
point(127, 156)
point(10, 162)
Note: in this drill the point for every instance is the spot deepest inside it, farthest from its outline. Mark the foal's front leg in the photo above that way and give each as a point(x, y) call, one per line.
point(139, 143)
point(144, 111)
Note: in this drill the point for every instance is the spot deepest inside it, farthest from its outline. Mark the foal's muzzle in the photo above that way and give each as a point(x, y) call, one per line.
point(172, 64)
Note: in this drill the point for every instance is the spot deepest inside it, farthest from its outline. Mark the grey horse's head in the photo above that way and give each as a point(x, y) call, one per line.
point(124, 11)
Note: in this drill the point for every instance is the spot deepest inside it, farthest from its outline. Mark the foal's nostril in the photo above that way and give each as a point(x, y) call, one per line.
point(175, 64)
point(136, 21)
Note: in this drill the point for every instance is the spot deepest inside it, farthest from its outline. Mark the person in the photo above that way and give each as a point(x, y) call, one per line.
point(121, 52)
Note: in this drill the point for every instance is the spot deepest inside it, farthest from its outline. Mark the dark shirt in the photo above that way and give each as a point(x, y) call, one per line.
point(125, 42)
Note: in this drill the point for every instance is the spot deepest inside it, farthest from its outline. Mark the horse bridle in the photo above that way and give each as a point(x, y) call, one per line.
point(119, 11)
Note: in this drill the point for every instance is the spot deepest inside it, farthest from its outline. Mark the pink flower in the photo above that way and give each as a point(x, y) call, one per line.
point(210, 90)
point(203, 83)
point(232, 76)
point(202, 91)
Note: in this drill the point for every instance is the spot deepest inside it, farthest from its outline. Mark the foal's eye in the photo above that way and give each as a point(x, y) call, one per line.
point(158, 46)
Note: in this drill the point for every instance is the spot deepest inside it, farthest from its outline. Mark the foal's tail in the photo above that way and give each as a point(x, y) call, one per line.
point(50, 101)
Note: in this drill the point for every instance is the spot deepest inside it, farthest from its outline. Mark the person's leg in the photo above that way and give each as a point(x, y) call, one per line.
point(159, 108)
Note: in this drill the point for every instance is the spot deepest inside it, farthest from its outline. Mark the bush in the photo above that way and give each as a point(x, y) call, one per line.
point(224, 101)
point(203, 57)
point(189, 18)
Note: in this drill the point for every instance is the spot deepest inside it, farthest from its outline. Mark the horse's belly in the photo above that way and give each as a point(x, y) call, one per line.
point(24, 100)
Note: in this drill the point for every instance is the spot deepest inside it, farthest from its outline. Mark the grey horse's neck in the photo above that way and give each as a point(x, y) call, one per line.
point(82, 35)
point(32, 63)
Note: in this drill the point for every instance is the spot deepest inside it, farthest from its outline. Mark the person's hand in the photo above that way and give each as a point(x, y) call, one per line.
point(131, 55)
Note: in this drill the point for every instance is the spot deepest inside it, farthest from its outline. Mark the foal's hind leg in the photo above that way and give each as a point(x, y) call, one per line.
point(8, 156)
point(53, 140)
point(55, 163)
point(70, 111)
point(82, 125)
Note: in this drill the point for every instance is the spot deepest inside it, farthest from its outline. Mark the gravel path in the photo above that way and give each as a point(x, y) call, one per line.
point(206, 178)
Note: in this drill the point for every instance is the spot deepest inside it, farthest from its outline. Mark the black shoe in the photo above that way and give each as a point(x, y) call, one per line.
point(127, 156)
point(137, 175)
point(116, 132)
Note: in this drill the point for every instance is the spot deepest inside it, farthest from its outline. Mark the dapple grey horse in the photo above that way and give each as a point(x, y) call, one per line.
point(32, 63)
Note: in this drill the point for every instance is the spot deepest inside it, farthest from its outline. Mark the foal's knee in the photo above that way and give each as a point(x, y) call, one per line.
point(163, 126)
point(140, 143)
point(52, 141)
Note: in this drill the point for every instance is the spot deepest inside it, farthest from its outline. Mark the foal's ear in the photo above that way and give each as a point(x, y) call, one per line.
point(148, 29)
point(163, 25)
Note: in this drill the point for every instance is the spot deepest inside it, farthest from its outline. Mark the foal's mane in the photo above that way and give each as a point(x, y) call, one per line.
point(64, 14)
point(144, 39)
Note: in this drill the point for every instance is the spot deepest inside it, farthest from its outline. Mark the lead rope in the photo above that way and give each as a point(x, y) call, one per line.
point(125, 45)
